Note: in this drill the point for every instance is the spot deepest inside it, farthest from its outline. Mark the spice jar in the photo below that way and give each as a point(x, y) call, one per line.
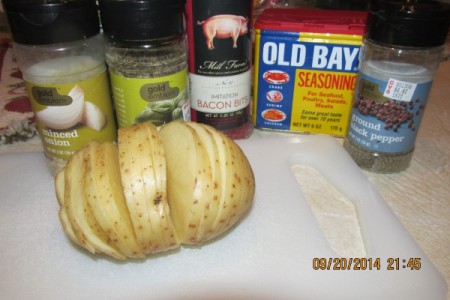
point(61, 55)
point(146, 55)
point(220, 45)
point(400, 55)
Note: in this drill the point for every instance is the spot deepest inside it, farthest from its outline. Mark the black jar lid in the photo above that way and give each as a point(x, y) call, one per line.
point(410, 23)
point(141, 20)
point(43, 22)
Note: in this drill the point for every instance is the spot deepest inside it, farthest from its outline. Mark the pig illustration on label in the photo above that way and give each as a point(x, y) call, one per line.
point(222, 27)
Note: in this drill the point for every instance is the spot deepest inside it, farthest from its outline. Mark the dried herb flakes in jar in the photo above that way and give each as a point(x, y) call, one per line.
point(146, 56)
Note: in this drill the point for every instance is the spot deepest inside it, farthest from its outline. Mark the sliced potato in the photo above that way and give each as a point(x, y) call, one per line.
point(183, 179)
point(104, 192)
point(204, 190)
point(79, 213)
point(194, 183)
point(161, 218)
point(142, 169)
point(67, 226)
point(75, 203)
point(59, 186)
point(227, 168)
point(212, 201)
point(238, 183)
point(242, 186)
point(62, 214)
point(186, 184)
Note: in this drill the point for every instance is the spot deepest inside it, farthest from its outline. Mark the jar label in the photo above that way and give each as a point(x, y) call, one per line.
point(399, 90)
point(222, 102)
point(157, 100)
point(386, 115)
point(220, 36)
point(72, 114)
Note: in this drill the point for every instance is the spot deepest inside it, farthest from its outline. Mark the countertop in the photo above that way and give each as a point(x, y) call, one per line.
point(419, 196)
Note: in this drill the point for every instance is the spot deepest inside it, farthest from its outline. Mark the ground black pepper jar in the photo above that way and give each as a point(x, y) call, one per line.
point(60, 52)
point(146, 55)
point(400, 55)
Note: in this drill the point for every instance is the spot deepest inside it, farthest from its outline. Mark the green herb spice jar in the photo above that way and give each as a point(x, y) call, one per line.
point(60, 52)
point(400, 55)
point(146, 55)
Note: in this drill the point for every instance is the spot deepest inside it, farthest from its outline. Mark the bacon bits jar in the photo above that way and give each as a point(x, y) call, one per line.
point(219, 39)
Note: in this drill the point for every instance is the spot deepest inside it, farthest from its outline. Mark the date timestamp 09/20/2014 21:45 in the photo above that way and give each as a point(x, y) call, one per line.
point(358, 264)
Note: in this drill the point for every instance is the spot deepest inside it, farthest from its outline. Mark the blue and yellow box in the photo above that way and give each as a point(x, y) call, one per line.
point(305, 69)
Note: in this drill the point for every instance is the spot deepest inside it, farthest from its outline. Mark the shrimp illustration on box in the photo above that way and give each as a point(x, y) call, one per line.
point(222, 27)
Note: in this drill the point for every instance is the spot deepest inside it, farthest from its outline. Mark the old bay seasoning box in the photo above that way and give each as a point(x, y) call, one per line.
point(305, 69)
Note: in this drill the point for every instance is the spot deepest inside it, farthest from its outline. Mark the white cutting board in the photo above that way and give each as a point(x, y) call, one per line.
point(269, 255)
